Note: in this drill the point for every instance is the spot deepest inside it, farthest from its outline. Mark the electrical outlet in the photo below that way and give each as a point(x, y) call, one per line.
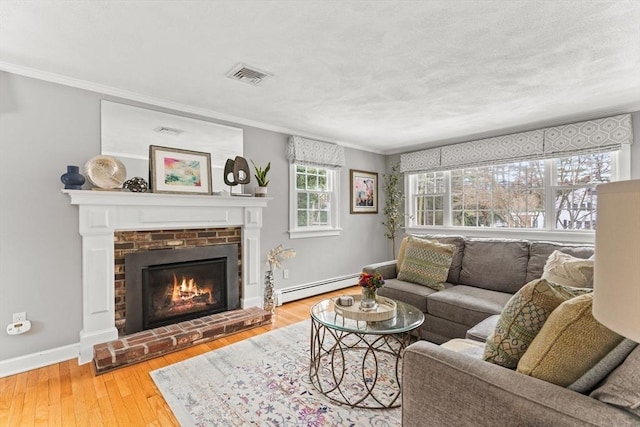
point(285, 274)
point(19, 317)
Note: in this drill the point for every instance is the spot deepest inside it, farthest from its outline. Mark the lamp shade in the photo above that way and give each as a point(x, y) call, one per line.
point(616, 299)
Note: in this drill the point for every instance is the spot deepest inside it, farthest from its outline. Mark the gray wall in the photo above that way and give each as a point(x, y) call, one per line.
point(46, 126)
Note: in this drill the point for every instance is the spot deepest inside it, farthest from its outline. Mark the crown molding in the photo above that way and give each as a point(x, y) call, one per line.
point(176, 106)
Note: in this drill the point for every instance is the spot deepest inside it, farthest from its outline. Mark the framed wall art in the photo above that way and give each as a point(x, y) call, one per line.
point(179, 171)
point(364, 192)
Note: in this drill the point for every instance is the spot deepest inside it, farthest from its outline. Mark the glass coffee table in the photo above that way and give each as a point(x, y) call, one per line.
point(356, 362)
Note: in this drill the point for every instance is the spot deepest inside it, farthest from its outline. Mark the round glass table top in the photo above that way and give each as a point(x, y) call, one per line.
point(407, 318)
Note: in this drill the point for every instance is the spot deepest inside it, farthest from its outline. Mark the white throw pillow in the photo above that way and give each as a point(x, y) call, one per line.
point(567, 270)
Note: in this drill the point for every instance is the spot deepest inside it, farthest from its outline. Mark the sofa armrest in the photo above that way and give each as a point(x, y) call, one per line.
point(443, 388)
point(387, 269)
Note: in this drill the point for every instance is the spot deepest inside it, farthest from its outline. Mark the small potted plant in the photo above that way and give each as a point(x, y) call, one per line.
point(261, 178)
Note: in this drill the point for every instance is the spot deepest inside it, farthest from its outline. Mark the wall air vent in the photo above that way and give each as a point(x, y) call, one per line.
point(168, 131)
point(248, 74)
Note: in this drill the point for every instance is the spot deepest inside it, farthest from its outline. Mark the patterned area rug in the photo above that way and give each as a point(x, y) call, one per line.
point(261, 381)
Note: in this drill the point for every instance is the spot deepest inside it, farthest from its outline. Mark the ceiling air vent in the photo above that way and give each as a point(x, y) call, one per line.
point(247, 74)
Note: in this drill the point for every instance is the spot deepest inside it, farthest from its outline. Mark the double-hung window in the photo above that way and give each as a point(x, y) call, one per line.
point(315, 202)
point(314, 191)
point(573, 182)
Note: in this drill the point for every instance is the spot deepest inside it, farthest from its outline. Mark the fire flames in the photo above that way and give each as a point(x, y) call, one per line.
point(186, 291)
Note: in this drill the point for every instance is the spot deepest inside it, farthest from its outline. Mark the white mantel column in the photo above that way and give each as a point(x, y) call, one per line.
point(98, 287)
point(252, 292)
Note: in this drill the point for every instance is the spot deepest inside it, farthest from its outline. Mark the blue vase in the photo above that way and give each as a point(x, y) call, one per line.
point(72, 180)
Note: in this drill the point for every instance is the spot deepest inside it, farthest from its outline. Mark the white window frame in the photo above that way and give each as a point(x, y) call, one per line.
point(621, 170)
point(334, 229)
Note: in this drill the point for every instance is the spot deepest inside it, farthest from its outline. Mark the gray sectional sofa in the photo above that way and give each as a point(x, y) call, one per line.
point(483, 276)
point(442, 387)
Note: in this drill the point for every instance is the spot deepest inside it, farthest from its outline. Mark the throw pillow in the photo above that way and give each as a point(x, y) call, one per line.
point(622, 386)
point(568, 270)
point(426, 262)
point(522, 318)
point(570, 342)
point(401, 251)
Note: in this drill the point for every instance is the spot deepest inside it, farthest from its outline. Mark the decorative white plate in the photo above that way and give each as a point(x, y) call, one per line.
point(105, 172)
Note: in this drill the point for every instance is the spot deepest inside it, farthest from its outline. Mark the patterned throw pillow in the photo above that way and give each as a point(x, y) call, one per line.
point(522, 318)
point(426, 262)
point(569, 343)
point(401, 250)
point(568, 270)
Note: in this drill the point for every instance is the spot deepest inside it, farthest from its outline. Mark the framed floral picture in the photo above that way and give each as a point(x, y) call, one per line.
point(364, 192)
point(179, 171)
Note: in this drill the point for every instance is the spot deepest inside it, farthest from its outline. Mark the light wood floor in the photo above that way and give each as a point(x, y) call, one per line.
point(65, 394)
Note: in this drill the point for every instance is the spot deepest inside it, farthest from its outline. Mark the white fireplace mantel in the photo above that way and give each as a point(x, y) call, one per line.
point(104, 212)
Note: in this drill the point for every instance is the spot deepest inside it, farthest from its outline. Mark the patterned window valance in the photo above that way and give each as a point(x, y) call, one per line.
point(315, 153)
point(507, 148)
point(595, 135)
point(606, 134)
point(420, 160)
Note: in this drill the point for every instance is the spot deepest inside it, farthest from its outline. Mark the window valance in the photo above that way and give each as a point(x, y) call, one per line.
point(315, 153)
point(420, 160)
point(606, 134)
point(507, 148)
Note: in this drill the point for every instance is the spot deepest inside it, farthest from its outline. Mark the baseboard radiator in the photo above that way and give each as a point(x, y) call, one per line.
point(315, 288)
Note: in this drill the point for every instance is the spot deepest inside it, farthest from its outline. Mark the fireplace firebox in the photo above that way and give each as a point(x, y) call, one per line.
point(170, 286)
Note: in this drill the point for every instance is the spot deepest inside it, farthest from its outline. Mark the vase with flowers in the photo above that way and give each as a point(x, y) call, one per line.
point(370, 284)
point(275, 257)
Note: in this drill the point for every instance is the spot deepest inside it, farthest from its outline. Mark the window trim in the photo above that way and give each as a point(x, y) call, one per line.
point(622, 171)
point(314, 231)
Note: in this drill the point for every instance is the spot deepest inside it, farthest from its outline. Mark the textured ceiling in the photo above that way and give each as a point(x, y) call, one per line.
point(387, 76)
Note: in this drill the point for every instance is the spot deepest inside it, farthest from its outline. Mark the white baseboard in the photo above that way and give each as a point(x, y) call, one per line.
point(315, 288)
point(28, 362)
point(31, 361)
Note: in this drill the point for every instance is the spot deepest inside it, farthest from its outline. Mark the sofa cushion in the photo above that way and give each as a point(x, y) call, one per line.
point(471, 348)
point(522, 318)
point(484, 329)
point(408, 292)
point(495, 264)
point(539, 254)
point(466, 305)
point(622, 386)
point(567, 270)
point(570, 342)
point(456, 262)
point(426, 262)
point(604, 367)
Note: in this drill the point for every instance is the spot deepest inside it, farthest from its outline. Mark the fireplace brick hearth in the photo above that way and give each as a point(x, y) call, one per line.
point(156, 342)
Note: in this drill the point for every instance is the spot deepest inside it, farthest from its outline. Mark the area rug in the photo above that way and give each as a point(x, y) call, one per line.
point(260, 381)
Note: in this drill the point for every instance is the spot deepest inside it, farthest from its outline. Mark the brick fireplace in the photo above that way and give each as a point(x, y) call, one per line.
point(113, 224)
point(162, 242)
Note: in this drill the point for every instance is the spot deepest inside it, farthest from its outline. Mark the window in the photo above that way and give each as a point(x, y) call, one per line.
point(574, 189)
point(499, 196)
point(314, 204)
point(553, 194)
point(428, 198)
